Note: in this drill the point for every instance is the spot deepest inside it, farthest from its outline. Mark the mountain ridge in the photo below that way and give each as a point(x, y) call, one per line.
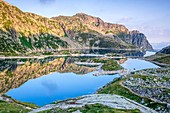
point(28, 31)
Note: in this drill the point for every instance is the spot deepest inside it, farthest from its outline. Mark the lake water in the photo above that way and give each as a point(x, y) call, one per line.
point(60, 86)
point(137, 64)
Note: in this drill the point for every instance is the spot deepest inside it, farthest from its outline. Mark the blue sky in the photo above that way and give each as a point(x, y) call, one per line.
point(148, 16)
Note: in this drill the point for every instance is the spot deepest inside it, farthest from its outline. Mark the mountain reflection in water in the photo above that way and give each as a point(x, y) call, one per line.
point(55, 86)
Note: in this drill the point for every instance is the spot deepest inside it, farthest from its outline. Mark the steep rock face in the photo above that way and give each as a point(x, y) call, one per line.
point(140, 40)
point(165, 50)
point(99, 25)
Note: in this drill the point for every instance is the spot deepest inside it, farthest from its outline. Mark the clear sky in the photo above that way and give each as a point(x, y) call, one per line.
point(152, 17)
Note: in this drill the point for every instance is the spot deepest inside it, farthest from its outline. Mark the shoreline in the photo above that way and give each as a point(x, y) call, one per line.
point(46, 56)
point(98, 88)
point(157, 63)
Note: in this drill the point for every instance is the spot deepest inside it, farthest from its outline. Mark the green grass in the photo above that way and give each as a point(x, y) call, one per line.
point(26, 104)
point(47, 53)
point(26, 43)
point(94, 108)
point(116, 88)
point(164, 59)
point(111, 65)
point(11, 108)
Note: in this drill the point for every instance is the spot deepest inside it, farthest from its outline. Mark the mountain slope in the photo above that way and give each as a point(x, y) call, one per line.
point(85, 23)
point(26, 23)
point(22, 32)
point(165, 50)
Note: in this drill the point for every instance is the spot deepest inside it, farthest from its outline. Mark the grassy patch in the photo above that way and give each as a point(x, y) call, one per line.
point(11, 108)
point(26, 43)
point(26, 104)
point(111, 65)
point(164, 59)
point(47, 53)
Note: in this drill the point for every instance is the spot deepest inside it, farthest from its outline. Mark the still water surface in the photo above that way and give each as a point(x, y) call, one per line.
point(60, 86)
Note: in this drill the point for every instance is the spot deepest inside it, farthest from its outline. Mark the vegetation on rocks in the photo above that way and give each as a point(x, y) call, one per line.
point(13, 45)
point(116, 87)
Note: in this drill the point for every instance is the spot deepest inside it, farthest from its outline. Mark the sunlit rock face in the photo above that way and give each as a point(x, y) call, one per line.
point(29, 70)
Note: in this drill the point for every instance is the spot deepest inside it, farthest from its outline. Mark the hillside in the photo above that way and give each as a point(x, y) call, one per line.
point(161, 58)
point(22, 32)
point(85, 23)
point(165, 50)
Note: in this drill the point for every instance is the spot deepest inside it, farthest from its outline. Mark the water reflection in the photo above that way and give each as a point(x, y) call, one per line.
point(11, 64)
point(136, 64)
point(58, 86)
point(136, 53)
point(21, 73)
point(29, 70)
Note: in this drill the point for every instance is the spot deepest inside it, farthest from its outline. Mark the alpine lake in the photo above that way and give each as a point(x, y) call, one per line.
point(43, 81)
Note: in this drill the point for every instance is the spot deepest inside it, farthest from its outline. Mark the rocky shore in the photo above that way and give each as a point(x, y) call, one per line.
point(114, 101)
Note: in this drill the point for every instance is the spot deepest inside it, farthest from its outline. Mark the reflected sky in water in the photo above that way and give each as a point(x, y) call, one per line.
point(136, 64)
point(58, 86)
point(149, 53)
